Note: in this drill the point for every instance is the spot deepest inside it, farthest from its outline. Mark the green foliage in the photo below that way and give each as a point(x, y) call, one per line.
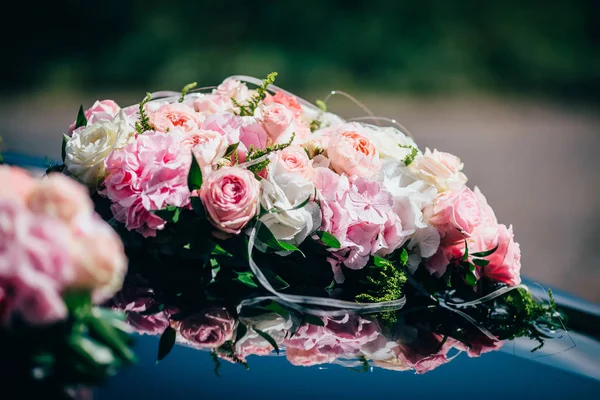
point(254, 153)
point(410, 157)
point(166, 343)
point(383, 282)
point(81, 120)
point(194, 179)
point(186, 89)
point(328, 239)
point(143, 124)
point(227, 350)
point(268, 338)
point(252, 103)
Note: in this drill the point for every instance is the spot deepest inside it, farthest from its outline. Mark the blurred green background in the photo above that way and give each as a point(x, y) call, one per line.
point(512, 87)
point(547, 48)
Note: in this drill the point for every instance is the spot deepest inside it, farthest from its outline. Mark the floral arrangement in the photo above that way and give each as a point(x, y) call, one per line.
point(57, 259)
point(243, 192)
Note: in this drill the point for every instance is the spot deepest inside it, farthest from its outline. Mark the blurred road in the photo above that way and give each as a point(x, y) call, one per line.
point(536, 162)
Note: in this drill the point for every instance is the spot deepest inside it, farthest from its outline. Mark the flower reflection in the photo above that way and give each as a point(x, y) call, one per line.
point(234, 334)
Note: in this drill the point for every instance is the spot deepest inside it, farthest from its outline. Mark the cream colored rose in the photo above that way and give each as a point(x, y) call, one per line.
point(89, 146)
point(443, 170)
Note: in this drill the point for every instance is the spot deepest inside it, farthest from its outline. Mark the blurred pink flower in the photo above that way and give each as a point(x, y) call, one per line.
point(16, 183)
point(35, 265)
point(60, 197)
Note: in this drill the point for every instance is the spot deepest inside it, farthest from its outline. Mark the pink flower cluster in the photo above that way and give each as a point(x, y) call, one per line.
point(375, 191)
point(51, 241)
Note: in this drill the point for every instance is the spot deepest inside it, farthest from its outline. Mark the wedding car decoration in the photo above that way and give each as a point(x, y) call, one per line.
point(246, 190)
point(58, 259)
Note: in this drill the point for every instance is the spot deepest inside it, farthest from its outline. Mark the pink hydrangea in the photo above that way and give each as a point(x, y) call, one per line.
point(147, 174)
point(359, 214)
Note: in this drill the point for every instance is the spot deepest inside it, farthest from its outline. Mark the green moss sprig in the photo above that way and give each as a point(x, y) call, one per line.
point(252, 103)
point(409, 157)
point(186, 89)
point(143, 124)
point(254, 154)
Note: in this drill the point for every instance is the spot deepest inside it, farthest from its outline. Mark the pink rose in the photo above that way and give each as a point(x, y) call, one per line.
point(294, 159)
point(207, 147)
point(306, 358)
point(101, 110)
point(289, 101)
point(245, 130)
point(443, 170)
point(278, 121)
point(232, 88)
point(230, 197)
point(171, 116)
point(353, 154)
point(60, 197)
point(209, 329)
point(35, 265)
point(16, 183)
point(505, 262)
point(211, 104)
point(454, 214)
point(147, 174)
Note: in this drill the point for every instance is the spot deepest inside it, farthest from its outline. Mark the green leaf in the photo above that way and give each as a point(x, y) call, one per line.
point(404, 257)
point(313, 320)
point(166, 343)
point(299, 206)
point(381, 262)
point(63, 149)
point(231, 149)
point(321, 104)
point(81, 119)
point(170, 214)
point(268, 338)
point(91, 351)
point(328, 239)
point(195, 176)
point(485, 253)
point(481, 262)
point(197, 206)
point(78, 302)
point(470, 278)
point(246, 278)
point(276, 281)
point(277, 309)
point(466, 255)
point(265, 235)
point(110, 336)
point(220, 251)
point(240, 332)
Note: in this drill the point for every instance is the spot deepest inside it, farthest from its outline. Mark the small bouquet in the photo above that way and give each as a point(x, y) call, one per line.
point(243, 192)
point(57, 260)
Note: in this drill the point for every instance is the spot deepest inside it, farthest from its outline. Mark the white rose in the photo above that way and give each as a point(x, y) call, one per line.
point(388, 142)
point(440, 169)
point(273, 324)
point(89, 146)
point(281, 194)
